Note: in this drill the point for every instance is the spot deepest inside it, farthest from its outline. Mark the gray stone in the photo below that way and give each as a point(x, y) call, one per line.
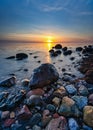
point(71, 89)
point(73, 124)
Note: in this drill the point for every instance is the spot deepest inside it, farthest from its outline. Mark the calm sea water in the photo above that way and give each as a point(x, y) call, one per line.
point(41, 50)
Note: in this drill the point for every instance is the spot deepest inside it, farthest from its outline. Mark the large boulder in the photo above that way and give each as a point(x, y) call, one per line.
point(58, 46)
point(88, 115)
point(43, 75)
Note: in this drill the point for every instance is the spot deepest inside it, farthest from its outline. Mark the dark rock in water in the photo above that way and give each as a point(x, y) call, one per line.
point(25, 70)
point(58, 52)
point(79, 49)
point(72, 58)
point(25, 82)
point(68, 52)
point(88, 50)
point(35, 119)
point(10, 57)
point(54, 54)
point(35, 57)
point(63, 69)
point(21, 56)
point(8, 82)
point(3, 95)
point(64, 49)
point(51, 51)
point(43, 75)
point(58, 46)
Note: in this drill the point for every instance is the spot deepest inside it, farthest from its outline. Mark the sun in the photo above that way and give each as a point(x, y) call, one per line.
point(49, 39)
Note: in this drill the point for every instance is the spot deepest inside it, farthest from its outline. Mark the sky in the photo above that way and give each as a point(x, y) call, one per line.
point(46, 20)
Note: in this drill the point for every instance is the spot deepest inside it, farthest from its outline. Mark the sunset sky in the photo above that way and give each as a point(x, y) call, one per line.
point(46, 20)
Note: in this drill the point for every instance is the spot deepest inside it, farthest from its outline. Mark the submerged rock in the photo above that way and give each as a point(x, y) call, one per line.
point(43, 75)
point(10, 57)
point(68, 52)
point(88, 115)
point(8, 82)
point(21, 56)
point(58, 46)
point(79, 49)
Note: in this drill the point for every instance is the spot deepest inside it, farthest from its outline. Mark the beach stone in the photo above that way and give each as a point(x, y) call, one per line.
point(35, 127)
point(83, 90)
point(8, 122)
point(24, 113)
point(5, 114)
point(10, 57)
point(3, 95)
point(73, 124)
point(38, 91)
point(80, 101)
point(64, 48)
point(34, 100)
point(88, 115)
point(71, 89)
point(51, 107)
point(21, 56)
point(36, 118)
point(79, 49)
point(68, 108)
point(55, 115)
point(89, 76)
point(12, 114)
point(57, 124)
point(60, 92)
point(85, 127)
point(58, 46)
point(43, 75)
point(90, 99)
point(8, 82)
point(25, 82)
point(56, 101)
point(67, 52)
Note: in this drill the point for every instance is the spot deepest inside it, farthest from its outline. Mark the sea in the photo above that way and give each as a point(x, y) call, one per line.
point(38, 53)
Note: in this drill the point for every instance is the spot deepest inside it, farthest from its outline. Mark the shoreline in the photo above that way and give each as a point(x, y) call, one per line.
point(65, 102)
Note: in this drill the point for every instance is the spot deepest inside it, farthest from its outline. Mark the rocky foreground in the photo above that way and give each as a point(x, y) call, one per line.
point(48, 103)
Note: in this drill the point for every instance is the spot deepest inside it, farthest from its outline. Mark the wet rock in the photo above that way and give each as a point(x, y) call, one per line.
point(60, 92)
point(71, 89)
point(72, 58)
point(5, 114)
point(64, 48)
point(80, 101)
point(68, 108)
point(73, 124)
point(21, 56)
point(83, 91)
point(25, 82)
point(79, 49)
point(88, 115)
point(56, 101)
point(58, 52)
point(58, 46)
point(68, 52)
point(8, 122)
point(85, 127)
point(51, 51)
point(38, 91)
point(8, 82)
point(89, 76)
point(3, 95)
point(10, 57)
point(16, 126)
point(24, 113)
point(35, 57)
point(25, 70)
point(35, 127)
point(43, 75)
point(51, 107)
point(34, 100)
point(35, 119)
point(63, 69)
point(90, 99)
point(57, 124)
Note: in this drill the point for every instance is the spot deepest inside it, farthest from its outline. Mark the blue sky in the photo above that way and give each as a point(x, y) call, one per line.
point(36, 19)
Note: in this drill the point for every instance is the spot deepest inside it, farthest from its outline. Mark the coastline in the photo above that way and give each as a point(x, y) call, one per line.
point(66, 102)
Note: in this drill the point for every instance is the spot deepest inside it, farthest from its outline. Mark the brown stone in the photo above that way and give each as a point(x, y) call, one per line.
point(8, 122)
